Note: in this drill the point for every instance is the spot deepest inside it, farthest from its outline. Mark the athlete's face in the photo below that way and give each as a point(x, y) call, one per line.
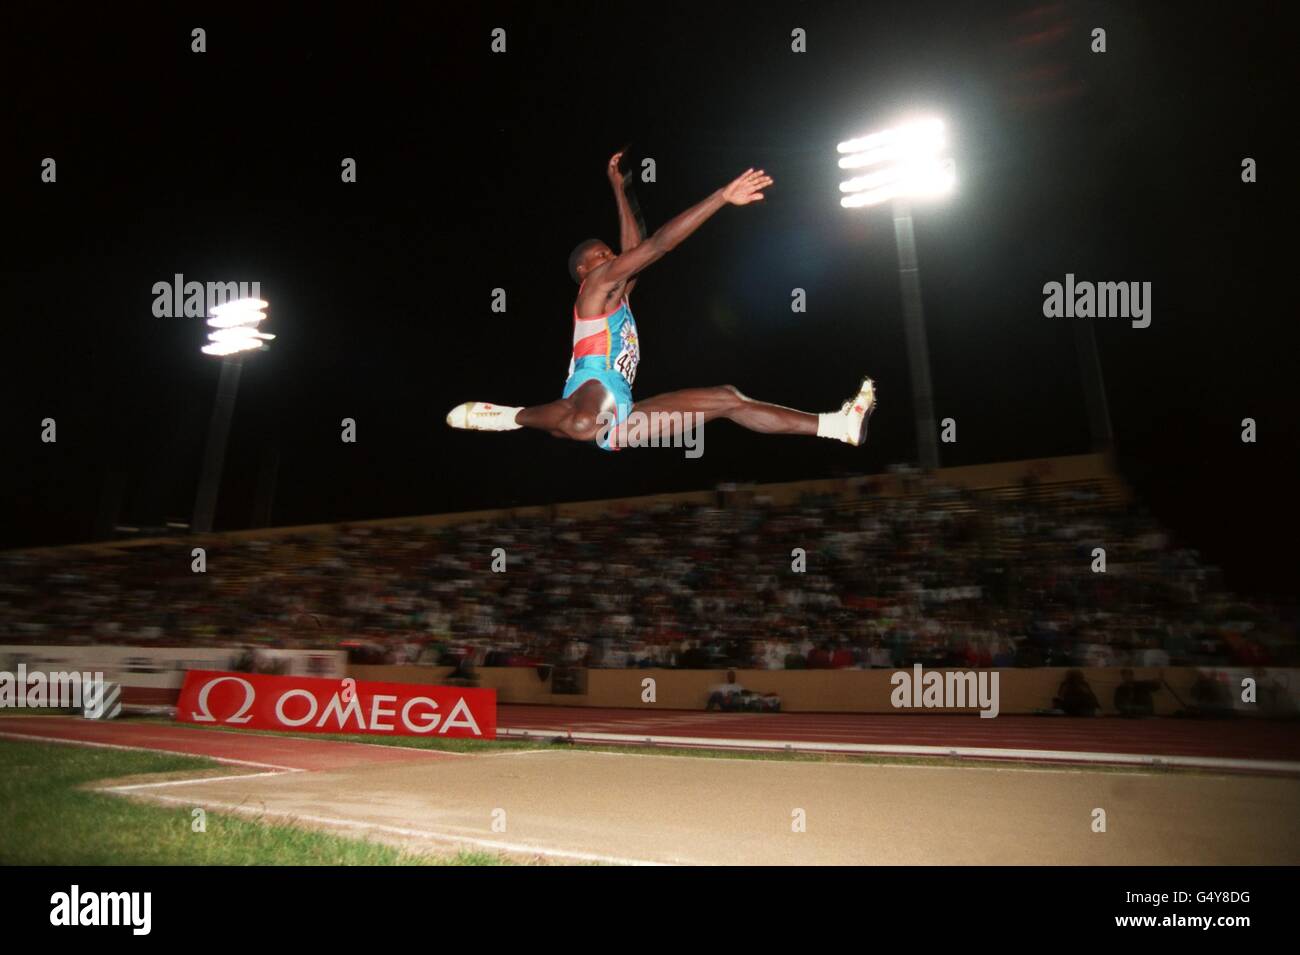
point(597, 256)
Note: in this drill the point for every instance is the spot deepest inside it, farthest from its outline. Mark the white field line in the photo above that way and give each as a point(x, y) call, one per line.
point(308, 738)
point(511, 752)
point(495, 844)
point(887, 749)
point(184, 782)
point(30, 737)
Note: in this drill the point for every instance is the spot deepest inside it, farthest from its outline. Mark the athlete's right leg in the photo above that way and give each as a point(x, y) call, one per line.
point(576, 417)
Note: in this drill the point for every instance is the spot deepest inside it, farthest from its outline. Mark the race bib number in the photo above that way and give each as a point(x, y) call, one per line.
point(629, 355)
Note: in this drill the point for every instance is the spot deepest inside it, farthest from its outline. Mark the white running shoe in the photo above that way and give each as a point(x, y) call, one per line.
point(849, 424)
point(481, 416)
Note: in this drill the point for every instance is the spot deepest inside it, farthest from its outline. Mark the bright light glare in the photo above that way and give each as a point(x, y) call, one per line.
point(922, 135)
point(239, 305)
point(241, 311)
point(222, 348)
point(235, 342)
point(901, 162)
point(922, 180)
point(237, 334)
point(235, 327)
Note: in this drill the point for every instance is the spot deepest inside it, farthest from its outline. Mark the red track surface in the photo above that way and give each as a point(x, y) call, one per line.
point(1239, 739)
point(1236, 739)
point(270, 752)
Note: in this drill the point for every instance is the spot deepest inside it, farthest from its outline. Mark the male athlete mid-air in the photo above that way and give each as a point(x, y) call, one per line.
point(598, 393)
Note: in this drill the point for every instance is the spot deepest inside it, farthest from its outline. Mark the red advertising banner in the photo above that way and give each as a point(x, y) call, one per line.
point(311, 705)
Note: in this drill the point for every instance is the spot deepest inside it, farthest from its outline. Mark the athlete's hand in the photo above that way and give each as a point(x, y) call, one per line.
point(747, 187)
point(611, 170)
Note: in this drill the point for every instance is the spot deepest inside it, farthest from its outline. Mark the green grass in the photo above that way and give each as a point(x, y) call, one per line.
point(47, 818)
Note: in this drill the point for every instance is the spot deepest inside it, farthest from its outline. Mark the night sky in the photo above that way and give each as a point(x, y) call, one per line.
point(479, 170)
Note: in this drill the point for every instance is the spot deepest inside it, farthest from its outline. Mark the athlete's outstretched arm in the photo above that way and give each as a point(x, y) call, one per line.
point(744, 189)
point(629, 230)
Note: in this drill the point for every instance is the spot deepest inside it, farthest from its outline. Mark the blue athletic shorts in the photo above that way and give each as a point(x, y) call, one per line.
point(616, 385)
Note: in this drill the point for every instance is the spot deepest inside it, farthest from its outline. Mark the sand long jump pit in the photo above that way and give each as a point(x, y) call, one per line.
point(573, 805)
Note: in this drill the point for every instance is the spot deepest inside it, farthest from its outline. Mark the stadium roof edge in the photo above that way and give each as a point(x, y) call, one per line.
point(1053, 470)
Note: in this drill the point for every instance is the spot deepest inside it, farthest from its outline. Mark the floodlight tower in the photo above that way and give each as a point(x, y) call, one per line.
point(234, 332)
point(898, 165)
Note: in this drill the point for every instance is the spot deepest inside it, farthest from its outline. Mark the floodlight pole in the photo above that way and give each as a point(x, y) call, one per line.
point(205, 502)
point(918, 353)
point(1094, 387)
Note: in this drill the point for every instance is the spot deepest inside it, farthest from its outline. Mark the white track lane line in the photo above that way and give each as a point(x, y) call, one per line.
point(908, 767)
point(883, 749)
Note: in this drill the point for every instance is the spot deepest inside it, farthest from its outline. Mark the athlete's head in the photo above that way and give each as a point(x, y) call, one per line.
point(589, 254)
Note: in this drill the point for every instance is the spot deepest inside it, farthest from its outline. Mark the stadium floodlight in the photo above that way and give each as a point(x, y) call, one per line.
point(897, 165)
point(235, 331)
point(235, 325)
point(905, 162)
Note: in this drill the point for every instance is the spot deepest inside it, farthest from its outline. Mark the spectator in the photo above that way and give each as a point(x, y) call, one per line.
point(723, 695)
point(1135, 698)
point(1074, 697)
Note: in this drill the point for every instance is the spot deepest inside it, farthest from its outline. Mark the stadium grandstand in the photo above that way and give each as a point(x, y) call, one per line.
point(997, 566)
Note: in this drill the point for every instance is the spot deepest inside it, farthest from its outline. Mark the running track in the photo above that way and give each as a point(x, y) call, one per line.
point(277, 753)
point(1024, 737)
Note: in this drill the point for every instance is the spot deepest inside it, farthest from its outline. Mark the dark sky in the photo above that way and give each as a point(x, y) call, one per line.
point(478, 170)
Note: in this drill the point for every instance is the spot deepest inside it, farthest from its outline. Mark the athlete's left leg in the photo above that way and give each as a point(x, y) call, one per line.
point(849, 424)
point(726, 401)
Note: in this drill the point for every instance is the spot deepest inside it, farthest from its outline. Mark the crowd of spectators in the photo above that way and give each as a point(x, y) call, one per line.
point(939, 577)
